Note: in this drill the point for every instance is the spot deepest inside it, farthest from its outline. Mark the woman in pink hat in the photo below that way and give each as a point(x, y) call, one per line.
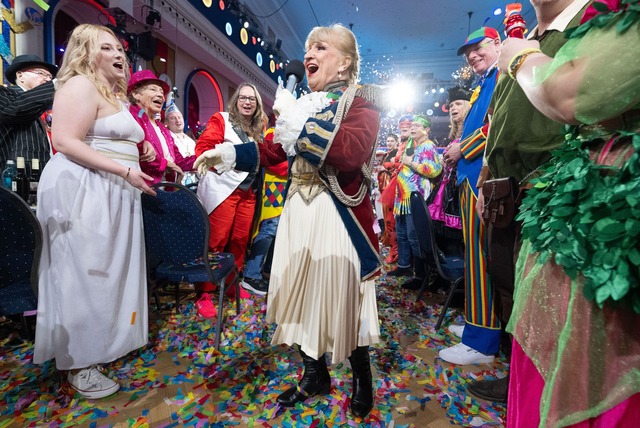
point(147, 95)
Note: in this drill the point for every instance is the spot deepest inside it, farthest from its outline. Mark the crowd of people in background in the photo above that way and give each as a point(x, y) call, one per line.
point(551, 266)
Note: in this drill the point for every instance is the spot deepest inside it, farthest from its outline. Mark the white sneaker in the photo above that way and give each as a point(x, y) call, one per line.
point(463, 355)
point(456, 329)
point(92, 384)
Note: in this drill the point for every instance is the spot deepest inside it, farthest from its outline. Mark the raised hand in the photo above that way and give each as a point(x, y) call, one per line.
point(285, 101)
point(207, 160)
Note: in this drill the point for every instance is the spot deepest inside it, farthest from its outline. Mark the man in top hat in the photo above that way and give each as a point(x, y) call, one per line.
point(481, 333)
point(22, 131)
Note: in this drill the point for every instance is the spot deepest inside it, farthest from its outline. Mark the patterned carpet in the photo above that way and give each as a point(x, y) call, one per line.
point(180, 379)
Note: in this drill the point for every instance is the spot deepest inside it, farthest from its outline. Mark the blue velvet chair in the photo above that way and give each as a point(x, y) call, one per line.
point(450, 267)
point(176, 229)
point(20, 249)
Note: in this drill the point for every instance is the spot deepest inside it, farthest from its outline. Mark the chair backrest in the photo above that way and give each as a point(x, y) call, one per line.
point(421, 223)
point(176, 226)
point(20, 241)
point(425, 231)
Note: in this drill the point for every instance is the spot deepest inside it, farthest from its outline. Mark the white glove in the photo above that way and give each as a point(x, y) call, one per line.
point(285, 101)
point(222, 158)
point(290, 123)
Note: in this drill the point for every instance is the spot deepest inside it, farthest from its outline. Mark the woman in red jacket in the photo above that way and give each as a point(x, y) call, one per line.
point(230, 197)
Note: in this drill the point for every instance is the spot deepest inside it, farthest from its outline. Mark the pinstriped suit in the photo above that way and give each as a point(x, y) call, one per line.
point(22, 133)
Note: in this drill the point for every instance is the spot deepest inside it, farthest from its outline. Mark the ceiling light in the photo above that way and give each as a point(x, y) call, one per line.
point(401, 94)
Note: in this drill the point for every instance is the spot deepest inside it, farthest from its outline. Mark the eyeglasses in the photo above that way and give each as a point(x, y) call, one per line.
point(476, 48)
point(46, 75)
point(244, 99)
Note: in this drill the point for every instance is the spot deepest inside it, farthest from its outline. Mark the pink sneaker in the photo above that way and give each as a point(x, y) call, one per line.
point(231, 293)
point(205, 307)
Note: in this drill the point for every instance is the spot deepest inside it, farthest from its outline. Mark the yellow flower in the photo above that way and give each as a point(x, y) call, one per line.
point(475, 94)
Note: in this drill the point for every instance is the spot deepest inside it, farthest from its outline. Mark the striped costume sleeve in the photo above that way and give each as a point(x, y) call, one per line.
point(473, 146)
point(314, 140)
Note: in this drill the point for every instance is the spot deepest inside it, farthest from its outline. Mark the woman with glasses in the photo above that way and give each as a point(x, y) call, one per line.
point(230, 198)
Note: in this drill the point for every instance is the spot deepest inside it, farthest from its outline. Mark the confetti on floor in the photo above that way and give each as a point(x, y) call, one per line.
point(180, 379)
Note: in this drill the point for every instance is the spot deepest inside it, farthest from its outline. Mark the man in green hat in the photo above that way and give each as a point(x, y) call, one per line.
point(481, 333)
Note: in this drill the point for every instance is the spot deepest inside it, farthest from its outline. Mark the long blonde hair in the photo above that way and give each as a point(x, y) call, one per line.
point(456, 127)
point(255, 127)
point(83, 48)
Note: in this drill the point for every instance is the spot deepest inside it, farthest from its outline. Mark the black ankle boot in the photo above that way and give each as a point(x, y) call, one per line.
point(315, 381)
point(490, 390)
point(362, 394)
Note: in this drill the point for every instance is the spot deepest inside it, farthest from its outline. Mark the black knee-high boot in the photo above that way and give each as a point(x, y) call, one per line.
point(362, 394)
point(315, 381)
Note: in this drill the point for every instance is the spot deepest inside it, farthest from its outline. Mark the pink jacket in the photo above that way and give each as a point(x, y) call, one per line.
point(157, 167)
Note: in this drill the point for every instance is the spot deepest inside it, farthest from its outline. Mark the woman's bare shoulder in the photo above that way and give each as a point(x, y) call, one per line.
point(80, 85)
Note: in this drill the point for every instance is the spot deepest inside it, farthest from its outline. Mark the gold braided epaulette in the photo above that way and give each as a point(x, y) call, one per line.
point(375, 94)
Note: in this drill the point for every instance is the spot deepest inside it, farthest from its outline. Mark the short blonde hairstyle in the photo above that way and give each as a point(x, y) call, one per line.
point(344, 40)
point(81, 53)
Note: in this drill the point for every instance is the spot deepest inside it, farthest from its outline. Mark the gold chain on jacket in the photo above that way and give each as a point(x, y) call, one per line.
point(367, 169)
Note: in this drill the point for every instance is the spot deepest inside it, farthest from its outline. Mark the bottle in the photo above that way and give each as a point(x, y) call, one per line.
point(22, 180)
point(34, 179)
point(9, 175)
point(514, 23)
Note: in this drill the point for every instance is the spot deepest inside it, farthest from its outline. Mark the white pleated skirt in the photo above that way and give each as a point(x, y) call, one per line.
point(316, 296)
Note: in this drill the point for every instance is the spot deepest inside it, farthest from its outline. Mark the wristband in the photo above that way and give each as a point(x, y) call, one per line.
point(518, 59)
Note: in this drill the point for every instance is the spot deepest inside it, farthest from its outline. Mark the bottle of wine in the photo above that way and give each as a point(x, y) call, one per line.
point(9, 175)
point(22, 180)
point(34, 179)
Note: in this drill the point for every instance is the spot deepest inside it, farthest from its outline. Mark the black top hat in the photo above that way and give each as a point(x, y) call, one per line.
point(458, 93)
point(25, 61)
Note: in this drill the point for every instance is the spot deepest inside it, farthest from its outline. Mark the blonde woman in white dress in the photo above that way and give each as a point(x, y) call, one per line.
point(92, 306)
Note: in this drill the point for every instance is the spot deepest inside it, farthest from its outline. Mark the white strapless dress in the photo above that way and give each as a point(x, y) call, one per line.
point(92, 301)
